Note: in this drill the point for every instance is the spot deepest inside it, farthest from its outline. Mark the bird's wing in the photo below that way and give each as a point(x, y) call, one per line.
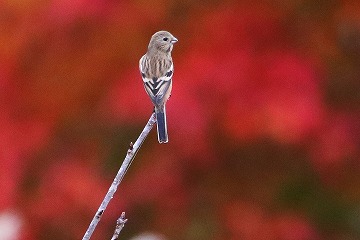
point(157, 88)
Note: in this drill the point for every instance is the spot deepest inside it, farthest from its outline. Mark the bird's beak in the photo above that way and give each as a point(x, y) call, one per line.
point(174, 40)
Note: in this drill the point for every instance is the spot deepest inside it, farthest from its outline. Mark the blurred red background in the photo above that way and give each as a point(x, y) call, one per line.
point(263, 120)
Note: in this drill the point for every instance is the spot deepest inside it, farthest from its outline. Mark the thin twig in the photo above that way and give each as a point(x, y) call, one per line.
point(131, 153)
point(120, 223)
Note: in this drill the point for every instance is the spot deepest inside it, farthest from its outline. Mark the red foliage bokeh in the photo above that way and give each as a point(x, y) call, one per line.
point(263, 119)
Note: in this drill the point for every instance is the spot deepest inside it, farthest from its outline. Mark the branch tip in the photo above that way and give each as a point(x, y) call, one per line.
point(121, 219)
point(120, 223)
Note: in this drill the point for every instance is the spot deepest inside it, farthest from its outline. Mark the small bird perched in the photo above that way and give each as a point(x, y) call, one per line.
point(157, 68)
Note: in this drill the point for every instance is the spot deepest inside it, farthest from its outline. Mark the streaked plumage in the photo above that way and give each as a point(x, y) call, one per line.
point(157, 68)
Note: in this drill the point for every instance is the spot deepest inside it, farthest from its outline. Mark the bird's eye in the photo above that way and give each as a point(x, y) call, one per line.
point(165, 39)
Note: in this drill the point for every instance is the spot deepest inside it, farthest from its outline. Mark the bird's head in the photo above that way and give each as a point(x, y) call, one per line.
point(162, 41)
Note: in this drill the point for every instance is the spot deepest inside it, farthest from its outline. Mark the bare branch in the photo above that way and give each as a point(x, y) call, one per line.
point(120, 223)
point(131, 153)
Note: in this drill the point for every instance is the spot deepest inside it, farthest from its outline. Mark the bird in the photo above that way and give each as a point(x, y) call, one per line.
point(157, 69)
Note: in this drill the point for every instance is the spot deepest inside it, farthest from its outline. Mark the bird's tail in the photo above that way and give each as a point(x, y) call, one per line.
point(161, 124)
